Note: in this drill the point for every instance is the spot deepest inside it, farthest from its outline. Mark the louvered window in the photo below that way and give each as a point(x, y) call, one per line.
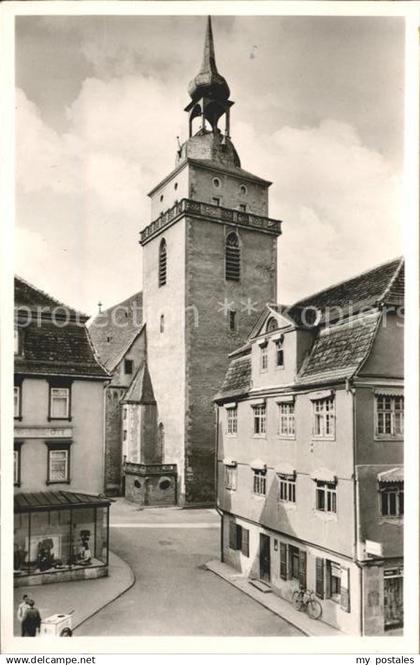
point(162, 262)
point(232, 258)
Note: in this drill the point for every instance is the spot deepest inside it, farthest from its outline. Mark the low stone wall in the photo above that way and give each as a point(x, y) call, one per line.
point(62, 576)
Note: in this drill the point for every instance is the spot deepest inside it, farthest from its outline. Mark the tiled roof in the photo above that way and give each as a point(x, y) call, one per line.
point(115, 329)
point(57, 350)
point(28, 296)
point(385, 283)
point(49, 345)
point(33, 501)
point(339, 350)
point(234, 170)
point(238, 378)
point(140, 390)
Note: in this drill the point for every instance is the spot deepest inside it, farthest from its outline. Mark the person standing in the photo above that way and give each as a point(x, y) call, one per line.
point(22, 607)
point(31, 623)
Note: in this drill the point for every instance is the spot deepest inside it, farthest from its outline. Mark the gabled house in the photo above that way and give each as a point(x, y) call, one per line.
point(310, 451)
point(118, 335)
point(61, 517)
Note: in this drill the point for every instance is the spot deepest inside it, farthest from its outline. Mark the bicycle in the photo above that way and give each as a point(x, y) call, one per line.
point(305, 601)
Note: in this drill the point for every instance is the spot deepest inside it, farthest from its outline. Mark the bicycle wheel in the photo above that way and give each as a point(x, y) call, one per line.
point(297, 600)
point(314, 609)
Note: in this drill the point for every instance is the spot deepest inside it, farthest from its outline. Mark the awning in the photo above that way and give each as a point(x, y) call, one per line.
point(258, 465)
point(321, 394)
point(397, 391)
point(228, 461)
point(37, 501)
point(285, 469)
point(324, 475)
point(285, 399)
point(395, 475)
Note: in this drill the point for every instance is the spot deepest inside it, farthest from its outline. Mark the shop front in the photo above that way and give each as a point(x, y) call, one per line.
point(60, 536)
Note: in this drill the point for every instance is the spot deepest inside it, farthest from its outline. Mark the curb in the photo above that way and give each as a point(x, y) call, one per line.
point(259, 602)
point(121, 593)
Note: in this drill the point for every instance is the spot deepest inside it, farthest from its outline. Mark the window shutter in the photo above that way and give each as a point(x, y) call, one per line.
point(345, 589)
point(319, 587)
point(328, 580)
point(232, 535)
point(245, 542)
point(283, 561)
point(302, 569)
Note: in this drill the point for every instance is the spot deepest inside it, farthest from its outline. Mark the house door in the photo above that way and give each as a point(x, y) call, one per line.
point(393, 602)
point(265, 568)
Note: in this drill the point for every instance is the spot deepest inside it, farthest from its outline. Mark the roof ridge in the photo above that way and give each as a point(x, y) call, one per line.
point(393, 278)
point(108, 309)
point(349, 279)
point(47, 295)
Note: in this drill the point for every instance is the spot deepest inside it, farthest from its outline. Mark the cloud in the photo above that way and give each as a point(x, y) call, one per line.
point(339, 199)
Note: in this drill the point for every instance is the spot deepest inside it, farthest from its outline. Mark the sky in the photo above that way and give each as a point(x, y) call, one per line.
point(99, 105)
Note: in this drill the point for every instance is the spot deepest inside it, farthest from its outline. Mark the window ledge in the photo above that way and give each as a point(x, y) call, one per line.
point(326, 516)
point(323, 438)
point(19, 418)
point(287, 505)
point(58, 482)
point(396, 521)
point(259, 436)
point(18, 484)
point(231, 436)
point(66, 419)
point(258, 496)
point(286, 437)
point(385, 439)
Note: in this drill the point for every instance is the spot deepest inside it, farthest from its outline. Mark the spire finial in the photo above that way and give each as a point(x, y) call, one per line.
point(209, 58)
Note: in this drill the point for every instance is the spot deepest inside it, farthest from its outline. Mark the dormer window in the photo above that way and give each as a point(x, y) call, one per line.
point(272, 324)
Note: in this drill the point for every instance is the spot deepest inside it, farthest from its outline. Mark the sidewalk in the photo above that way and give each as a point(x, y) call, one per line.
point(86, 597)
point(274, 603)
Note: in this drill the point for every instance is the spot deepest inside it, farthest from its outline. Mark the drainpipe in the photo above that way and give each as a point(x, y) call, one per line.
point(216, 478)
point(356, 506)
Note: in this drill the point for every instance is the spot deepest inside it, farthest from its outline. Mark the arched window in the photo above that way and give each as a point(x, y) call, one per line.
point(232, 258)
point(162, 262)
point(162, 323)
point(272, 324)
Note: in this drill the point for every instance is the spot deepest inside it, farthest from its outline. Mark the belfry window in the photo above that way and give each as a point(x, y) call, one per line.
point(162, 262)
point(232, 258)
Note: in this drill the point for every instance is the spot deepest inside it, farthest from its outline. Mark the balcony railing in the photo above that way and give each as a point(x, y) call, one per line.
point(209, 211)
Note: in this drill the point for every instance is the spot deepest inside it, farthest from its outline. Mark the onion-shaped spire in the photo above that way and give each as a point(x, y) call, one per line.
point(208, 82)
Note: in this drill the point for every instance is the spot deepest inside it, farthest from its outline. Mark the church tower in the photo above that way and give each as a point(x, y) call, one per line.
point(209, 262)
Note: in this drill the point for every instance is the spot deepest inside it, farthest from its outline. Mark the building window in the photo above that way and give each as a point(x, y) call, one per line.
point(232, 320)
point(389, 415)
point(161, 198)
point(232, 420)
point(243, 189)
point(59, 403)
point(128, 366)
point(18, 402)
point(264, 358)
point(216, 183)
point(162, 262)
point(231, 476)
point(272, 324)
point(324, 415)
point(215, 200)
point(242, 207)
point(162, 323)
point(287, 419)
point(232, 258)
point(392, 499)
point(294, 562)
point(287, 489)
point(124, 413)
point(259, 419)
point(260, 484)
point(333, 571)
point(17, 455)
point(58, 462)
point(176, 185)
point(326, 496)
point(238, 538)
point(279, 354)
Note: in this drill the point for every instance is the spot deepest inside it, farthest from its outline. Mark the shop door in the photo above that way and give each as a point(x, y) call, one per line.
point(265, 568)
point(393, 602)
